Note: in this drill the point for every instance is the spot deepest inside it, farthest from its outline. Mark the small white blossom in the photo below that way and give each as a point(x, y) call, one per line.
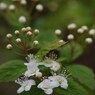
point(60, 80)
point(32, 66)
point(92, 32)
point(70, 37)
point(25, 84)
point(3, 6)
point(22, 19)
point(47, 86)
point(12, 7)
point(39, 7)
point(80, 31)
point(85, 28)
point(88, 40)
point(58, 32)
point(72, 26)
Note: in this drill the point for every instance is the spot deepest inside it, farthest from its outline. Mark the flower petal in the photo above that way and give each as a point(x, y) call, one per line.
point(21, 89)
point(48, 91)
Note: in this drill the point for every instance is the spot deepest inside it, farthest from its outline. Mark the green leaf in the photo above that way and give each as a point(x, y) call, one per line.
point(33, 91)
point(11, 70)
point(73, 89)
point(50, 46)
point(71, 51)
point(83, 74)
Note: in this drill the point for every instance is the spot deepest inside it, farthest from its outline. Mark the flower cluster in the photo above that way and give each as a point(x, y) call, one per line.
point(8, 8)
point(90, 33)
point(47, 83)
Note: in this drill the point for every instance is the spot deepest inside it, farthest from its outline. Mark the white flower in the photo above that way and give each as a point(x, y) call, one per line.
point(3, 6)
point(32, 66)
point(25, 84)
point(60, 80)
point(55, 66)
point(70, 37)
point(39, 7)
point(71, 26)
point(22, 19)
point(88, 40)
point(92, 32)
point(47, 86)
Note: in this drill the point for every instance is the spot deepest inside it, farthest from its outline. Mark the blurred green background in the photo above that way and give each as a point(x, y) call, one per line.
point(57, 14)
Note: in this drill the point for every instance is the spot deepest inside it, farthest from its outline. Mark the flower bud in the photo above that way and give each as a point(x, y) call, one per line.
point(88, 40)
point(29, 33)
point(3, 6)
point(36, 31)
point(23, 2)
point(39, 7)
point(85, 28)
point(18, 40)
point(92, 32)
point(58, 32)
point(9, 46)
point(17, 32)
point(9, 36)
point(71, 26)
point(61, 41)
point(22, 19)
point(70, 37)
point(28, 28)
point(36, 42)
point(38, 74)
point(80, 31)
point(23, 30)
point(12, 7)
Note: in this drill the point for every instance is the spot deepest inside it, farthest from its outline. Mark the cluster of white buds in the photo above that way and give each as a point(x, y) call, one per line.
point(23, 38)
point(82, 29)
point(39, 7)
point(23, 2)
point(22, 19)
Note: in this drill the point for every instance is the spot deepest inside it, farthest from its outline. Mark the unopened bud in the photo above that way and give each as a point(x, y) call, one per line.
point(80, 31)
point(9, 36)
point(18, 40)
point(39, 74)
point(70, 37)
point(17, 32)
point(36, 42)
point(29, 33)
point(71, 26)
point(58, 32)
point(88, 40)
point(36, 31)
point(39, 7)
point(28, 28)
point(23, 30)
point(12, 7)
point(9, 46)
